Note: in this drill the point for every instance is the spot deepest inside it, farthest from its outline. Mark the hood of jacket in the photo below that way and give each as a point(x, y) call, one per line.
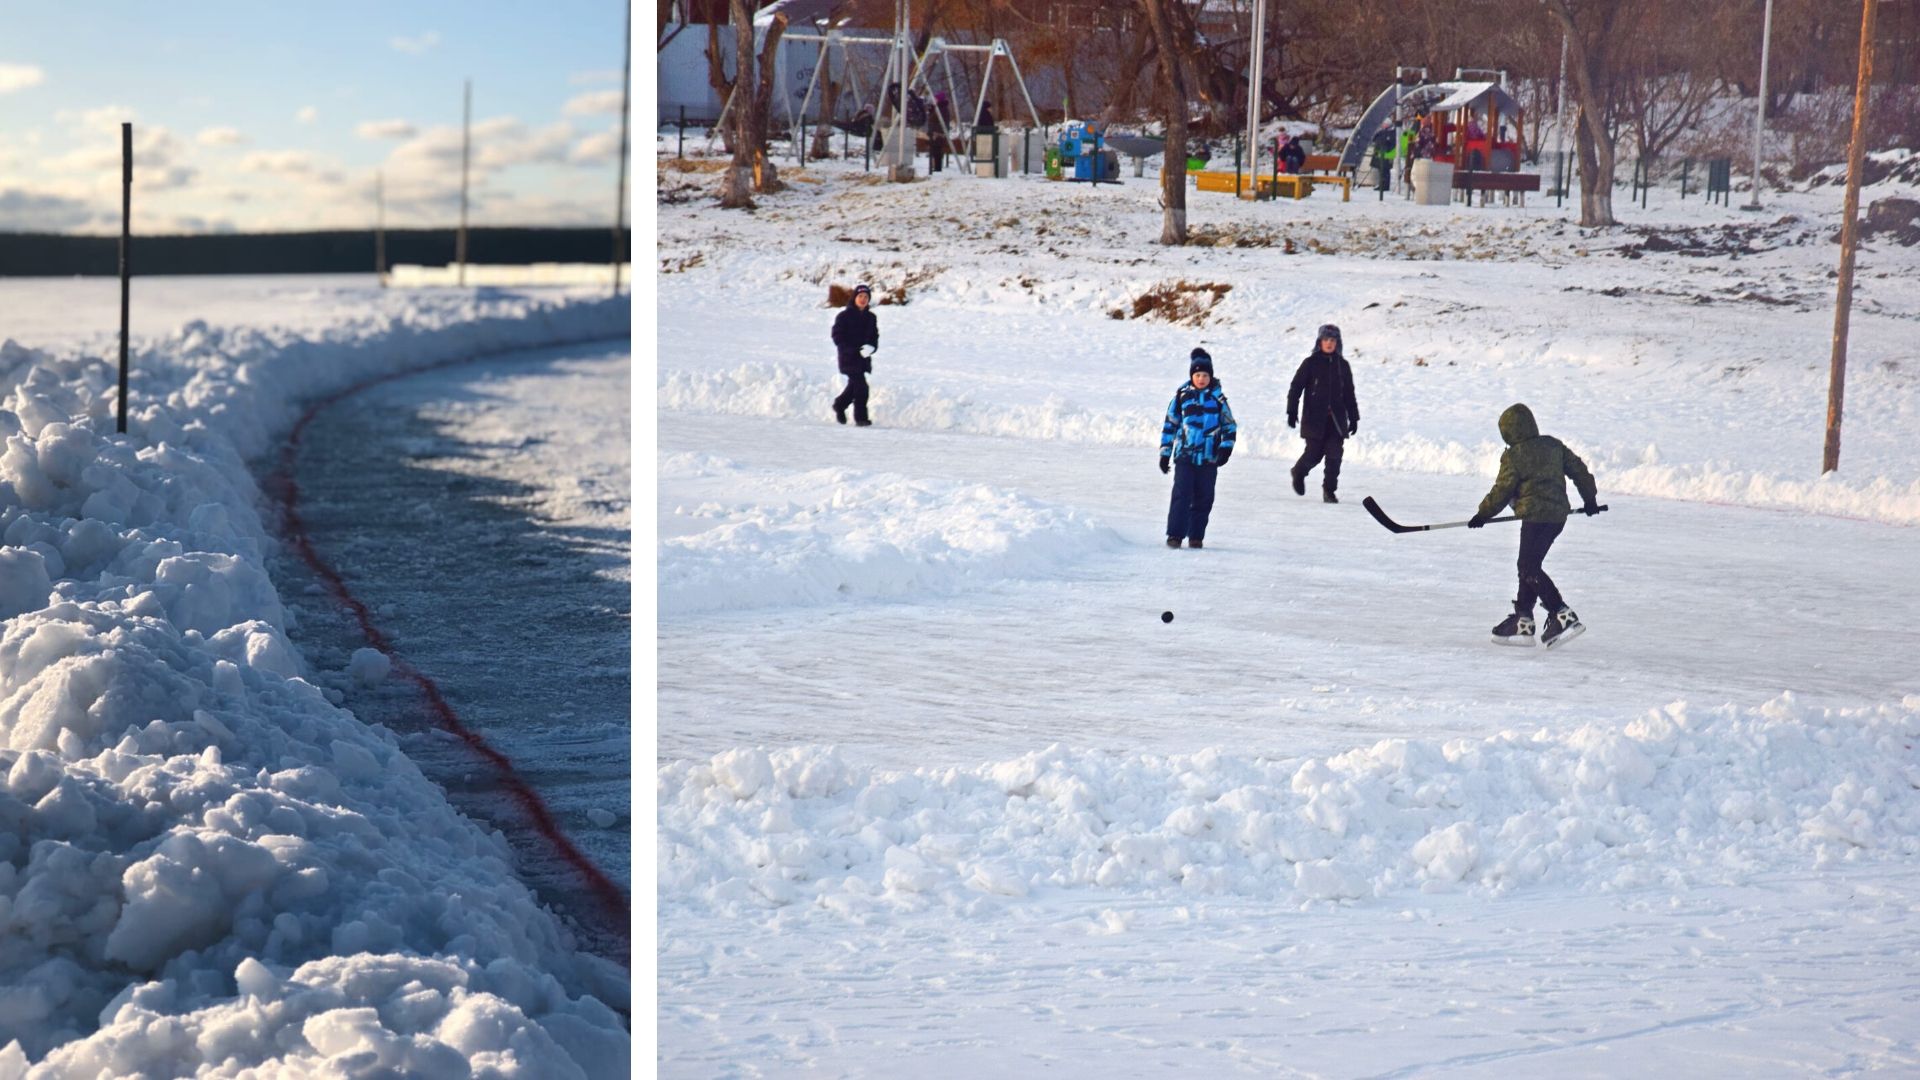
point(1517, 425)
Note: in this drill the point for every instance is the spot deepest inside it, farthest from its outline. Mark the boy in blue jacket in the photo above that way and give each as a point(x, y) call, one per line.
point(1195, 441)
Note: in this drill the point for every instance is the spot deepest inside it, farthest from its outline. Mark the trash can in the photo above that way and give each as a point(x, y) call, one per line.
point(1432, 182)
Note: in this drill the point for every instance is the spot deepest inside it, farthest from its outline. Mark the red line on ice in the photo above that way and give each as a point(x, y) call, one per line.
point(611, 899)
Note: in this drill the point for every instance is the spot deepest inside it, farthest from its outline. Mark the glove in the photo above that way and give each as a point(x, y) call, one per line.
point(1353, 427)
point(1225, 453)
point(1292, 420)
point(1166, 463)
point(1590, 509)
point(1477, 521)
point(866, 350)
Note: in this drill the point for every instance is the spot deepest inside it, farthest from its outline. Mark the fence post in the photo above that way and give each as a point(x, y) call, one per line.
point(1236, 165)
point(1685, 167)
point(682, 151)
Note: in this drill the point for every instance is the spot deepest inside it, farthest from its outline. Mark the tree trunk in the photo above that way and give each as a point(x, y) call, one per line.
point(1173, 171)
point(736, 187)
point(766, 175)
point(829, 107)
point(1595, 147)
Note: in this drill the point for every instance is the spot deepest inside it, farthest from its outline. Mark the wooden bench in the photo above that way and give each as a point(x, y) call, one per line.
point(1291, 185)
point(1509, 184)
point(1345, 182)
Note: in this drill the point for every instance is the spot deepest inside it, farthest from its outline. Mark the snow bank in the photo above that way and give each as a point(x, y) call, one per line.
point(834, 534)
point(1677, 797)
point(204, 865)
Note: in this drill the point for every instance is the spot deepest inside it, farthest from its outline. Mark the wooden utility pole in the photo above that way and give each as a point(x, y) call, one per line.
point(626, 94)
point(126, 269)
point(1849, 235)
point(466, 142)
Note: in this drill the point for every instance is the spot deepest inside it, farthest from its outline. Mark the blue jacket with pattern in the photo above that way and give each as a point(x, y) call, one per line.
point(1199, 425)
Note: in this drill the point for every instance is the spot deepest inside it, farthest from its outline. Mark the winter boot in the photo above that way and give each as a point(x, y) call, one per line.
point(1328, 496)
point(1299, 482)
point(1195, 544)
point(1173, 541)
point(1562, 626)
point(840, 413)
point(1516, 630)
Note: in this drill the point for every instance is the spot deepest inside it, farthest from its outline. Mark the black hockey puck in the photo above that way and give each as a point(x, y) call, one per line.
point(1166, 616)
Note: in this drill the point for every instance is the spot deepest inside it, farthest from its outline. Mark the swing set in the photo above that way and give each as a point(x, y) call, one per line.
point(889, 110)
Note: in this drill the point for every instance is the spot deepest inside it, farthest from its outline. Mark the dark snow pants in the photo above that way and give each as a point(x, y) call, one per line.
point(1329, 444)
point(1536, 537)
point(856, 395)
point(1192, 500)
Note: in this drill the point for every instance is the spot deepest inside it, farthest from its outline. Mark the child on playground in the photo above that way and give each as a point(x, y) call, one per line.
point(1195, 441)
point(1533, 477)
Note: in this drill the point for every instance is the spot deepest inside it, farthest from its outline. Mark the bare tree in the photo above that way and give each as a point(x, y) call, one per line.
point(1173, 89)
point(751, 93)
point(1588, 63)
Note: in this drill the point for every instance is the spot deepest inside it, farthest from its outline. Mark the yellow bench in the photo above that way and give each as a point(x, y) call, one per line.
point(1292, 185)
point(1345, 182)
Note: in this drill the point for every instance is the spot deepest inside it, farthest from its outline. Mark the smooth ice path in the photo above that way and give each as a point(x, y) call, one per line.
point(481, 512)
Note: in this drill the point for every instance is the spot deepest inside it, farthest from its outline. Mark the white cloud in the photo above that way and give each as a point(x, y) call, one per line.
point(600, 101)
point(590, 78)
point(19, 77)
point(595, 149)
point(88, 121)
point(386, 129)
point(416, 45)
point(307, 115)
point(221, 136)
point(279, 162)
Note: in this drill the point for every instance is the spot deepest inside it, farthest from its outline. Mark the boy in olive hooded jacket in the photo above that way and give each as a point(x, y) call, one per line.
point(1533, 477)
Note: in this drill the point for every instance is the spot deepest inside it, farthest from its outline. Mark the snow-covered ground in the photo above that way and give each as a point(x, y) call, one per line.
point(938, 791)
point(208, 866)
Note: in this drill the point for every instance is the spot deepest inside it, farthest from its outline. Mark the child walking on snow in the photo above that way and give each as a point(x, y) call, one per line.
point(1195, 441)
point(856, 336)
point(1533, 476)
point(1327, 416)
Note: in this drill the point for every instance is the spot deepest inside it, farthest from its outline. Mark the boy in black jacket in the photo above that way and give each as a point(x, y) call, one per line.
point(856, 334)
point(1330, 413)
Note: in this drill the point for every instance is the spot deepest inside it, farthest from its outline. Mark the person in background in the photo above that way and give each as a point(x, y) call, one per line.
point(1195, 441)
point(939, 121)
point(1533, 477)
point(1293, 156)
point(1327, 415)
point(856, 336)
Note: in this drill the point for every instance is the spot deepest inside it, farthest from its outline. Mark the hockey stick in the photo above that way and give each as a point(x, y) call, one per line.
point(1380, 516)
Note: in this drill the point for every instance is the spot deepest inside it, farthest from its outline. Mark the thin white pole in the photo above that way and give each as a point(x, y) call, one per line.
point(1257, 57)
point(1760, 112)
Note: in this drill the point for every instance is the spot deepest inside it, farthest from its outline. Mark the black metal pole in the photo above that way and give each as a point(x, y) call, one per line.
point(126, 272)
point(682, 152)
point(620, 201)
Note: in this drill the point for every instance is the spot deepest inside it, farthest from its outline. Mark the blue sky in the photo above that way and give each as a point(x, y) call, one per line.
point(274, 116)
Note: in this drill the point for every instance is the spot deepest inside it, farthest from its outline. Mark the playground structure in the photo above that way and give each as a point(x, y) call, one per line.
point(898, 91)
point(1082, 155)
point(1464, 124)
